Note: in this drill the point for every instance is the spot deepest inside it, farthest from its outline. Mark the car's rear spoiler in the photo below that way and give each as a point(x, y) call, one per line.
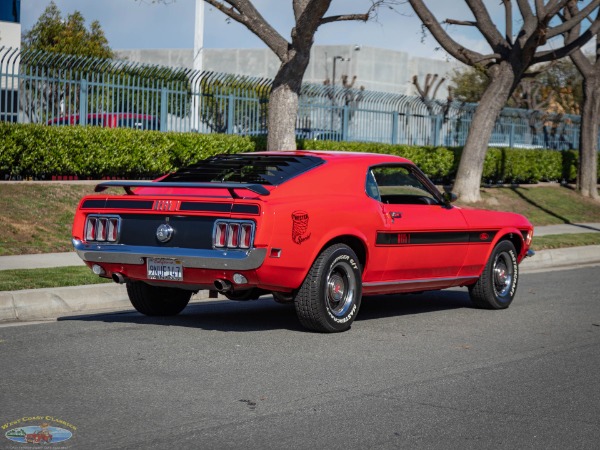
point(231, 187)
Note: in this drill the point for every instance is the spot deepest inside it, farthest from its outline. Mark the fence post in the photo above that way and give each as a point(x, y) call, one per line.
point(345, 120)
point(164, 108)
point(83, 102)
point(438, 128)
point(230, 113)
point(511, 135)
point(395, 119)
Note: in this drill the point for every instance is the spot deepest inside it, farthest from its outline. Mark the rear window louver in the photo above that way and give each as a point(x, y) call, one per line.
point(247, 169)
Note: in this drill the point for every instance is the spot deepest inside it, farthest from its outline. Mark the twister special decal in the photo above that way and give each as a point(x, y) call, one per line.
point(300, 227)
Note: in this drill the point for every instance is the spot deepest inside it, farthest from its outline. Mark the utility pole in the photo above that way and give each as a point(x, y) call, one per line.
point(197, 64)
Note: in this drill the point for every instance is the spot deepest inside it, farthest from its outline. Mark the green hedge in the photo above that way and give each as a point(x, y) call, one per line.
point(40, 152)
point(502, 165)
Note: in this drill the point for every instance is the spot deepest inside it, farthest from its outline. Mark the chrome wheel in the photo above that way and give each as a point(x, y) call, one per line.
point(497, 284)
point(329, 298)
point(341, 289)
point(503, 274)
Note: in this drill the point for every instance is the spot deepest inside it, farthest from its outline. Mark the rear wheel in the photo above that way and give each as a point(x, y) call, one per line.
point(330, 295)
point(157, 300)
point(497, 285)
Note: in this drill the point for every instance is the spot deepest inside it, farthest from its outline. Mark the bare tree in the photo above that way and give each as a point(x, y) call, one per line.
point(587, 177)
point(429, 90)
point(351, 97)
point(294, 54)
point(512, 53)
point(427, 94)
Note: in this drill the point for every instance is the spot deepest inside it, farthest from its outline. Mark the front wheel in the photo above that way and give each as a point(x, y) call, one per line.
point(497, 285)
point(157, 300)
point(330, 295)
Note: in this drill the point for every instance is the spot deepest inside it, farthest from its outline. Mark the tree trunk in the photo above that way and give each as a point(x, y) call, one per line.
point(587, 181)
point(283, 101)
point(470, 169)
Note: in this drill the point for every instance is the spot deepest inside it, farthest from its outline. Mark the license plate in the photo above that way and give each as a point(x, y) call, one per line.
point(164, 269)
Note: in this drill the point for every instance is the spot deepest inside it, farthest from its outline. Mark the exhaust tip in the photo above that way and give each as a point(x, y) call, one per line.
point(222, 286)
point(118, 278)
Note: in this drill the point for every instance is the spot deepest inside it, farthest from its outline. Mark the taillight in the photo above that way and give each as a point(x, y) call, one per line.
point(245, 240)
point(233, 234)
point(102, 229)
point(220, 235)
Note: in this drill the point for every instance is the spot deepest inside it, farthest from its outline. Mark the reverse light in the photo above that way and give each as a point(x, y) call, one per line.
point(98, 270)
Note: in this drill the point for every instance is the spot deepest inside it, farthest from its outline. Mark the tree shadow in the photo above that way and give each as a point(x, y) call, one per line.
point(552, 213)
point(265, 314)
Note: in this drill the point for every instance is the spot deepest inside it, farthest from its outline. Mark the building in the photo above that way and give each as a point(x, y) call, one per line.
point(376, 69)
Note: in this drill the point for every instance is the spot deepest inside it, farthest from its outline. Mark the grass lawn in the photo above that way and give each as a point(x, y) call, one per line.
point(14, 280)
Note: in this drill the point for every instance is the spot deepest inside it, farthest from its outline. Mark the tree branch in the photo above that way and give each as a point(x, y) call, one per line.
point(569, 48)
point(469, 23)
point(244, 12)
point(579, 59)
point(345, 17)
point(450, 45)
point(508, 21)
point(573, 20)
point(485, 24)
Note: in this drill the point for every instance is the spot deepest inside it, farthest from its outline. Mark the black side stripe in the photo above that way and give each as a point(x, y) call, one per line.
point(434, 237)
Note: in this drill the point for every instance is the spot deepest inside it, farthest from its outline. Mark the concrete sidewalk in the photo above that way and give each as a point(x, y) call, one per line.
point(52, 303)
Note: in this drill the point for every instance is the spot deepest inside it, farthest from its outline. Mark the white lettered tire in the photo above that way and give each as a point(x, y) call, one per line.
point(498, 282)
point(330, 296)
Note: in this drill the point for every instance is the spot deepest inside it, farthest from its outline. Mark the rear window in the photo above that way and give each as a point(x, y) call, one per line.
point(257, 169)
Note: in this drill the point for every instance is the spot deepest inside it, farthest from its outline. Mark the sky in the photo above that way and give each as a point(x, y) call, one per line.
point(144, 24)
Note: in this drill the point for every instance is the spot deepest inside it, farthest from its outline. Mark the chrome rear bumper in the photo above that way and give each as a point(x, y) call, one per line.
point(189, 257)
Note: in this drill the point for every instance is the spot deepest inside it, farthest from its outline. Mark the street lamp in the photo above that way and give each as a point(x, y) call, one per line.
point(335, 60)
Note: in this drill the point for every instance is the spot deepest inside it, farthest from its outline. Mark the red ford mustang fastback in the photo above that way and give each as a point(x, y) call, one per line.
point(319, 229)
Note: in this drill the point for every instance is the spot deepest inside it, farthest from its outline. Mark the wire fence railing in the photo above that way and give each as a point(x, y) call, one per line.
point(57, 89)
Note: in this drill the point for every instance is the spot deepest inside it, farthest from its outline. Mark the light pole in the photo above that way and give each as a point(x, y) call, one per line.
point(335, 60)
point(197, 63)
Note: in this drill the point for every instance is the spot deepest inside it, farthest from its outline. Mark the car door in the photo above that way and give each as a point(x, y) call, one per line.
point(424, 237)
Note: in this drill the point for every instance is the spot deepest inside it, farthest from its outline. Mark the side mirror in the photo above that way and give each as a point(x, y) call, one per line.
point(449, 197)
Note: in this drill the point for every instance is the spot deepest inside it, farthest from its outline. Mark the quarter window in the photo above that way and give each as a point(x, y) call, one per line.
point(398, 185)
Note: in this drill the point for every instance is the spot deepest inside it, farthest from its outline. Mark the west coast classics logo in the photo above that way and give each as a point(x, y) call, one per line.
point(38, 430)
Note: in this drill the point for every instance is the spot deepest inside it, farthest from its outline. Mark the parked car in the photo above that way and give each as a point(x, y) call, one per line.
point(112, 120)
point(38, 437)
point(317, 134)
point(319, 229)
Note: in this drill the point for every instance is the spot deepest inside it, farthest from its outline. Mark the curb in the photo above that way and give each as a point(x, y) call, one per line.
point(50, 304)
point(561, 258)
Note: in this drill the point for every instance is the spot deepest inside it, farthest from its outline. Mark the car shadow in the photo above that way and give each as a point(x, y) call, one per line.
point(265, 314)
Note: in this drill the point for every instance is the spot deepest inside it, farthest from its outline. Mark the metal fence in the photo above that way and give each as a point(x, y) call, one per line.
point(56, 89)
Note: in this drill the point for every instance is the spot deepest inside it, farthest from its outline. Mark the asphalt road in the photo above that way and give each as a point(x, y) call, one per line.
point(418, 371)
